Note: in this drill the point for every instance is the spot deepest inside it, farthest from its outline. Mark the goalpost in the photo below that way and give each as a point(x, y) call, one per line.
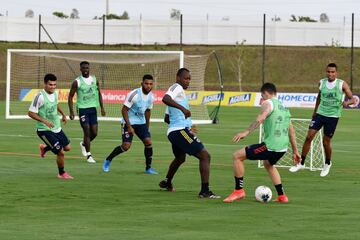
point(316, 157)
point(117, 72)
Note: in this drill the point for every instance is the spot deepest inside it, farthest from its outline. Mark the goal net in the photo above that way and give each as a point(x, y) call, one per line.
point(118, 72)
point(316, 157)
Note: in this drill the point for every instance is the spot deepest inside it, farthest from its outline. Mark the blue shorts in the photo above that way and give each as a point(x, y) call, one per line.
point(329, 124)
point(261, 152)
point(141, 130)
point(56, 141)
point(88, 116)
point(183, 141)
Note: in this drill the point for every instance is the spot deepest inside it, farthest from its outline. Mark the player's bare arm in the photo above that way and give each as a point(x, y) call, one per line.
point(317, 103)
point(348, 93)
point(265, 111)
point(63, 116)
point(103, 113)
point(292, 136)
point(147, 117)
point(36, 117)
point(73, 89)
point(125, 114)
point(170, 102)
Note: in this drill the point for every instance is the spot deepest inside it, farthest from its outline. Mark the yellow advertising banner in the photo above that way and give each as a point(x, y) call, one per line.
point(244, 99)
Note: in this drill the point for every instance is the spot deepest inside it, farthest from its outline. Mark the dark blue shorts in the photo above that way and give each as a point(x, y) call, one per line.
point(183, 141)
point(261, 152)
point(56, 141)
point(88, 116)
point(329, 124)
point(141, 130)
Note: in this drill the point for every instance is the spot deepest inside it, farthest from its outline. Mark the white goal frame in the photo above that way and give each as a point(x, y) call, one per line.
point(310, 159)
point(8, 75)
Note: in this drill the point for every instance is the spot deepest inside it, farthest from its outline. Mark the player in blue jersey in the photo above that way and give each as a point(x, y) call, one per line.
point(183, 141)
point(136, 120)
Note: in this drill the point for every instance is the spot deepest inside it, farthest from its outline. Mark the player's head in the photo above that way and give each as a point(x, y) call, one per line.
point(268, 90)
point(183, 77)
point(147, 83)
point(331, 71)
point(85, 68)
point(50, 83)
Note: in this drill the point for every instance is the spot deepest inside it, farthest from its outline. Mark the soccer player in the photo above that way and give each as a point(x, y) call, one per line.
point(136, 120)
point(327, 111)
point(277, 132)
point(89, 98)
point(44, 109)
point(182, 140)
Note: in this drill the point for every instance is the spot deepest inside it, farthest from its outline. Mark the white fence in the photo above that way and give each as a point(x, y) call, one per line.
point(168, 32)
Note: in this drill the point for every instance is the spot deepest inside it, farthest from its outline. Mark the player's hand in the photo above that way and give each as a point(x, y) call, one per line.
point(240, 135)
point(345, 104)
point(63, 119)
point(131, 130)
point(49, 124)
point(193, 129)
point(296, 158)
point(72, 115)
point(187, 113)
point(103, 113)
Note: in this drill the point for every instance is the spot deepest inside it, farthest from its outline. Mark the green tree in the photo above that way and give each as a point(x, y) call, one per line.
point(60, 15)
point(74, 14)
point(293, 18)
point(175, 14)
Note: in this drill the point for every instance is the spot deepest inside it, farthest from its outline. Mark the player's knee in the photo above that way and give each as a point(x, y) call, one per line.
point(309, 138)
point(268, 166)
point(61, 153)
point(67, 148)
point(238, 156)
point(326, 141)
point(125, 146)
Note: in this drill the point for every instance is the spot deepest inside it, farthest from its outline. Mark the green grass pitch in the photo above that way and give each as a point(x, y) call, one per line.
point(127, 204)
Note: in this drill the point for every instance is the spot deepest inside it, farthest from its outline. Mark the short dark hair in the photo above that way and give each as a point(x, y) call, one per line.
point(49, 77)
point(84, 62)
point(181, 71)
point(147, 77)
point(332, 65)
point(268, 87)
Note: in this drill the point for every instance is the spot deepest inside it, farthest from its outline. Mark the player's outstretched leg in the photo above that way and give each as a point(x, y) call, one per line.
point(276, 179)
point(174, 166)
point(60, 160)
point(305, 150)
point(239, 193)
point(204, 167)
point(117, 150)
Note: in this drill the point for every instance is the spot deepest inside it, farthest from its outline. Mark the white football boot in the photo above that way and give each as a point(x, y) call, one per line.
point(83, 149)
point(90, 159)
point(296, 167)
point(325, 171)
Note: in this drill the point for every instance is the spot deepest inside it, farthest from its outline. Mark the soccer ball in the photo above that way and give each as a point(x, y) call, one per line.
point(263, 194)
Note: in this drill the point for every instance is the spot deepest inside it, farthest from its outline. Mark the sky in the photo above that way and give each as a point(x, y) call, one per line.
point(191, 9)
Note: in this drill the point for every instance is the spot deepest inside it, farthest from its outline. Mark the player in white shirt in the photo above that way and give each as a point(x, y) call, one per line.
point(183, 141)
point(136, 120)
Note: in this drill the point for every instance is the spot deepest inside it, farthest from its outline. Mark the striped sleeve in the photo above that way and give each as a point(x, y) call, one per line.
point(36, 103)
point(174, 90)
point(131, 98)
